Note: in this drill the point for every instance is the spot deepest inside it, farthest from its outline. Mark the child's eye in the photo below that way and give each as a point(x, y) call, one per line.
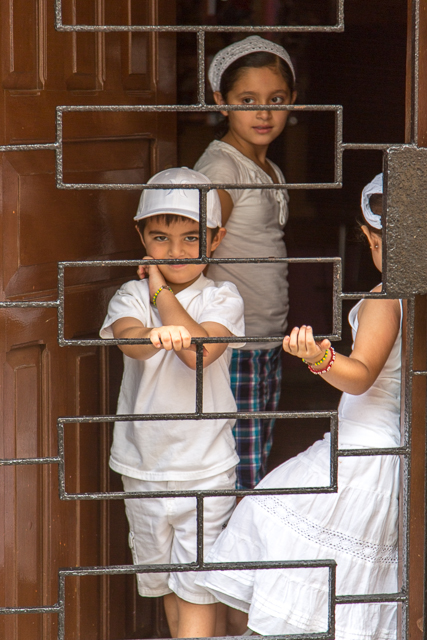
point(277, 100)
point(160, 238)
point(192, 239)
point(248, 100)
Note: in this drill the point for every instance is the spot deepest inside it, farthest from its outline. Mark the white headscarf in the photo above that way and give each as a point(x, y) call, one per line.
point(224, 58)
point(375, 186)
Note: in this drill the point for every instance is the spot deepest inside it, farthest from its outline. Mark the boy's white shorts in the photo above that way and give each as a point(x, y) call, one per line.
point(164, 531)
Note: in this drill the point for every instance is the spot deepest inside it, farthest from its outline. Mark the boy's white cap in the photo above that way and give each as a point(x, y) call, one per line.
point(253, 44)
point(375, 186)
point(182, 202)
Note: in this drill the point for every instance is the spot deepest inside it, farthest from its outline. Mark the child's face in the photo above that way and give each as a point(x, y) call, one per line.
point(177, 241)
point(257, 86)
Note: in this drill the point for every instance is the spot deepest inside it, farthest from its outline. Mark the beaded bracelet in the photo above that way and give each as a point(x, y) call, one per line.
point(164, 286)
point(316, 364)
point(326, 369)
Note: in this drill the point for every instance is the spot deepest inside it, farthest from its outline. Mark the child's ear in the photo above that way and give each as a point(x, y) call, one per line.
point(367, 233)
point(220, 100)
point(219, 237)
point(141, 237)
point(294, 96)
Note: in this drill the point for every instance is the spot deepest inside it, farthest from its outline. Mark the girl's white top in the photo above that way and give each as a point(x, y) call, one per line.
point(372, 419)
point(255, 229)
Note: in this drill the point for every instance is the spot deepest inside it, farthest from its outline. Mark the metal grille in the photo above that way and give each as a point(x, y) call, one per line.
point(198, 414)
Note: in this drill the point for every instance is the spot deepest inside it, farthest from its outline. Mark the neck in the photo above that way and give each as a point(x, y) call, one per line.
point(177, 287)
point(257, 154)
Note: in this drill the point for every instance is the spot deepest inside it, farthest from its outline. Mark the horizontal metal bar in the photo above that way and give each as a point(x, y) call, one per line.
point(336, 28)
point(418, 373)
point(238, 415)
point(15, 610)
point(192, 567)
point(366, 146)
point(25, 461)
point(43, 146)
point(389, 451)
point(375, 597)
point(240, 493)
point(138, 262)
point(26, 304)
point(199, 107)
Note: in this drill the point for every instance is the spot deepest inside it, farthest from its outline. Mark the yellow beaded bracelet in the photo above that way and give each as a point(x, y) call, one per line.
point(164, 286)
point(316, 364)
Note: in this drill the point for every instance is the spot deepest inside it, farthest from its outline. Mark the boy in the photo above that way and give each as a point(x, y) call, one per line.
point(174, 303)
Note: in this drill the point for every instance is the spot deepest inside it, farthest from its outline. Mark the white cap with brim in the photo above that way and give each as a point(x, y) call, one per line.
point(182, 202)
point(375, 186)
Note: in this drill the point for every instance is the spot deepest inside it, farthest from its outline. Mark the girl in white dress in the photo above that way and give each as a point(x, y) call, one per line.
point(357, 526)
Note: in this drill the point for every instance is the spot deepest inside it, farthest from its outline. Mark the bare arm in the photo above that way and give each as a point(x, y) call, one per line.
point(226, 205)
point(173, 337)
point(172, 311)
point(379, 322)
point(177, 329)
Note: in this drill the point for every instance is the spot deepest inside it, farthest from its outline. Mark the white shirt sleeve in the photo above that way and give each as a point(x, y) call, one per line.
point(221, 168)
point(223, 304)
point(130, 301)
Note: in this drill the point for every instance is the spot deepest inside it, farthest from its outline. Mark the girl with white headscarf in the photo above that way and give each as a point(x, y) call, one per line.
point(358, 525)
point(250, 72)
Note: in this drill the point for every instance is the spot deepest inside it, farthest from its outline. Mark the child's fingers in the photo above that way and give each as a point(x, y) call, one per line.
point(141, 272)
point(293, 341)
point(155, 338)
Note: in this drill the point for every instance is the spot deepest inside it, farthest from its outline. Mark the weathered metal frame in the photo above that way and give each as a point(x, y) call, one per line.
point(338, 295)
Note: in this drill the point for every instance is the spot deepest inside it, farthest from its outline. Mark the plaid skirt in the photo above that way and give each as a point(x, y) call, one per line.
point(256, 378)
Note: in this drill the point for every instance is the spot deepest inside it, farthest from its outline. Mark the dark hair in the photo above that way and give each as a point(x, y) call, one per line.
point(376, 205)
point(168, 219)
point(256, 60)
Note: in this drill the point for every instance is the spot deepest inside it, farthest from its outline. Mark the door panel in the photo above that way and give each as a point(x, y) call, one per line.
point(41, 225)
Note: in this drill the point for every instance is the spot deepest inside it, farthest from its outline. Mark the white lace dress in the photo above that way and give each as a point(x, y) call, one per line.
point(357, 527)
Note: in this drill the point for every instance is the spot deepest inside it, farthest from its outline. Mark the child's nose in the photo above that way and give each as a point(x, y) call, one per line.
point(176, 249)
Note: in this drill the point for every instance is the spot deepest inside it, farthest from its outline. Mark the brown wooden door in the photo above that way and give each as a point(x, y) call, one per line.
point(41, 225)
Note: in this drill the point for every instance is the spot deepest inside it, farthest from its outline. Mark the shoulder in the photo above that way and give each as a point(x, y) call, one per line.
point(135, 288)
point(217, 162)
point(379, 312)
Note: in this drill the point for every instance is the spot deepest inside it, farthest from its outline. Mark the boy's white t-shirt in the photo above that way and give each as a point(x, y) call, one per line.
point(175, 449)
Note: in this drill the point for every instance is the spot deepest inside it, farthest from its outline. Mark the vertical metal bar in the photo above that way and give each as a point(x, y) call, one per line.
point(61, 454)
point(61, 602)
point(338, 145)
point(201, 97)
point(340, 14)
point(199, 379)
point(337, 299)
point(412, 82)
point(58, 153)
point(203, 195)
point(61, 302)
point(200, 526)
point(331, 601)
point(333, 466)
point(58, 14)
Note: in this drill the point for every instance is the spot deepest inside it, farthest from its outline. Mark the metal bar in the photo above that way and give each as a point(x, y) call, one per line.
point(201, 67)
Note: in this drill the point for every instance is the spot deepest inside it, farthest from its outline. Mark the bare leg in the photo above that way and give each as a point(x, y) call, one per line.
point(171, 610)
point(195, 620)
point(237, 622)
point(221, 620)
